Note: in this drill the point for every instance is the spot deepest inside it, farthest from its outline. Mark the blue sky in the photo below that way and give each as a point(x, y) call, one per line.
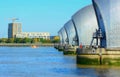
point(38, 15)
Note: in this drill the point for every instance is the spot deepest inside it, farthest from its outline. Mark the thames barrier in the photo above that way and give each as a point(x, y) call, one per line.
point(93, 34)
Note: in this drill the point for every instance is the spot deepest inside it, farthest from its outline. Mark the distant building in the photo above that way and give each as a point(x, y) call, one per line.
point(54, 37)
point(13, 29)
point(44, 35)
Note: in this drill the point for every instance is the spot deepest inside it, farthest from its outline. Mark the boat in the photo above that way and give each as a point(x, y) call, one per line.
point(34, 46)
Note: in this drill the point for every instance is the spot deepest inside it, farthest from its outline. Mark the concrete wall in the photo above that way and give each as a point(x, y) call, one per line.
point(107, 57)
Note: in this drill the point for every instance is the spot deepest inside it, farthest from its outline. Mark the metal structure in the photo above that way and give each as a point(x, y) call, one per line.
point(64, 35)
point(69, 27)
point(108, 17)
point(61, 38)
point(86, 24)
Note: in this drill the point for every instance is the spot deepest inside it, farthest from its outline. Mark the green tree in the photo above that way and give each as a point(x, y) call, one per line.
point(0, 40)
point(56, 39)
point(34, 40)
point(18, 40)
point(42, 40)
point(10, 40)
point(3, 40)
point(26, 40)
point(47, 41)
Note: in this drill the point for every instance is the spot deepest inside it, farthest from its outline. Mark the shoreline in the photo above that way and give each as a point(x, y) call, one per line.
point(25, 44)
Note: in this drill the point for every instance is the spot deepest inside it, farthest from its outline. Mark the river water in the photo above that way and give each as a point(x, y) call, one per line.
point(46, 62)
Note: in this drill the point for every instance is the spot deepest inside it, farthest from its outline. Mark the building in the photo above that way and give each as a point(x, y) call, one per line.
point(44, 35)
point(108, 16)
point(13, 29)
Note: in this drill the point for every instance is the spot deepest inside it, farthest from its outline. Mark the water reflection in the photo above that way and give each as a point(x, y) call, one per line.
point(102, 71)
point(46, 62)
point(109, 72)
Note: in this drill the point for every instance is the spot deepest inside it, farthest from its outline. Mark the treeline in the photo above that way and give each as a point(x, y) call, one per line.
point(28, 40)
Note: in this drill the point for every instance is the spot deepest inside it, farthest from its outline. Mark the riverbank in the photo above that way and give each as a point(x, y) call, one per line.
point(26, 44)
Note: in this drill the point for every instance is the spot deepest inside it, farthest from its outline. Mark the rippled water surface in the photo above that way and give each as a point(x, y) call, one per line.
point(46, 62)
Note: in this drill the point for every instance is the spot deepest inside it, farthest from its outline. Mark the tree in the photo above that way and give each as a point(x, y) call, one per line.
point(26, 40)
point(0, 40)
point(56, 39)
point(3, 40)
point(48, 41)
point(34, 40)
point(10, 40)
point(18, 40)
point(38, 39)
